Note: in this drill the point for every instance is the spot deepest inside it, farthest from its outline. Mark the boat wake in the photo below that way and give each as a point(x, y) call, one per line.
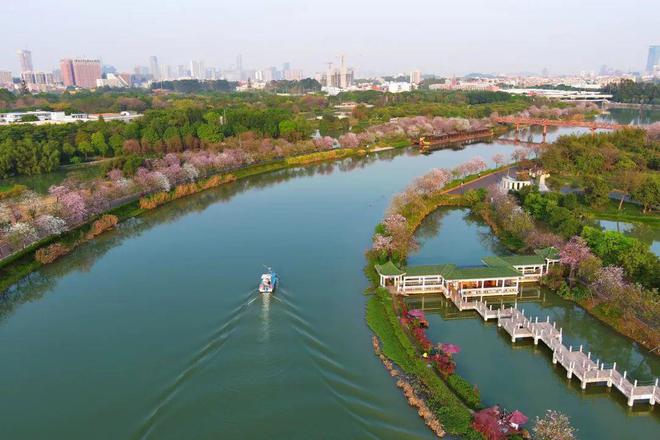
point(343, 384)
point(214, 342)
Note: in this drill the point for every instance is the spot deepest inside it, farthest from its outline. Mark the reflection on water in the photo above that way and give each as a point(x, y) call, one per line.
point(641, 231)
point(265, 318)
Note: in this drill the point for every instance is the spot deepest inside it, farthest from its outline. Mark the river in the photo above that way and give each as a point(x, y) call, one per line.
point(155, 330)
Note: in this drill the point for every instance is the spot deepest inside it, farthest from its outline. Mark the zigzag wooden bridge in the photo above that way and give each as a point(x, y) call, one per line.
point(575, 362)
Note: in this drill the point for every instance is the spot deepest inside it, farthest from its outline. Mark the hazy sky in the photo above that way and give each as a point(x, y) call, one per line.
point(436, 36)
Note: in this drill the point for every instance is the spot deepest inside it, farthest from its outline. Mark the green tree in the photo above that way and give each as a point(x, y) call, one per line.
point(99, 144)
point(648, 192)
point(596, 191)
point(86, 149)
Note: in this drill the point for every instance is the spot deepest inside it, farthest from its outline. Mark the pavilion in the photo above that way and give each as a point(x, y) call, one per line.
point(498, 276)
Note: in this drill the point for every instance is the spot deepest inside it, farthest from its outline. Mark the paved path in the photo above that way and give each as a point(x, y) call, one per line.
point(483, 182)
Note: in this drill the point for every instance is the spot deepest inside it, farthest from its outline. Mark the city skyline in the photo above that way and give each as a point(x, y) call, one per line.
point(451, 40)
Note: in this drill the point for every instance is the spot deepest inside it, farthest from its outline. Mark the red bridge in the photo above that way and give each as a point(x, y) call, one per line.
point(558, 123)
point(592, 125)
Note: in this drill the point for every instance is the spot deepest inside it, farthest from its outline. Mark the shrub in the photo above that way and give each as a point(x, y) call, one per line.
point(455, 419)
point(465, 390)
point(101, 225)
point(51, 253)
point(14, 191)
point(184, 190)
point(155, 200)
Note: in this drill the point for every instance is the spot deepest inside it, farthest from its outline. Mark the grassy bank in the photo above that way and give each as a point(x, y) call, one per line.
point(452, 398)
point(629, 212)
point(454, 415)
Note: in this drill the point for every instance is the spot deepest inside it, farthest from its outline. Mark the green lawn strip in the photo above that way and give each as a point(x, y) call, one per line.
point(395, 344)
point(629, 212)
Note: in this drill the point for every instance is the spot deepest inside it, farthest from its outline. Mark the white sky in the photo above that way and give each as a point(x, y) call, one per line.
point(436, 36)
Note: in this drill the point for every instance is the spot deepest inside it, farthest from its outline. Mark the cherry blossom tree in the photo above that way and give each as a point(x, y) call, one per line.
point(73, 206)
point(21, 234)
point(608, 282)
point(349, 140)
point(114, 174)
point(190, 172)
point(554, 426)
point(47, 224)
point(499, 159)
point(573, 253)
point(519, 155)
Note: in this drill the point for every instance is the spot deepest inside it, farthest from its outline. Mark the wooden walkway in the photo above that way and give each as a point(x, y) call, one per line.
point(576, 362)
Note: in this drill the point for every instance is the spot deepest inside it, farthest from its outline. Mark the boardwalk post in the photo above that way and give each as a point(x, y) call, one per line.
point(547, 319)
point(554, 357)
point(569, 371)
point(655, 387)
point(580, 348)
point(631, 399)
point(609, 381)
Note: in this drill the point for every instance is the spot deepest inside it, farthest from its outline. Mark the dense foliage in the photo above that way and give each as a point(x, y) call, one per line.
point(176, 122)
point(634, 92)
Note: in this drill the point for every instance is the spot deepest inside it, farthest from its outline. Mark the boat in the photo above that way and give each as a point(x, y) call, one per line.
point(269, 281)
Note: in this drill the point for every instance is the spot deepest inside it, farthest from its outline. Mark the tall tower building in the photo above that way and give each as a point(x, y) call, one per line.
point(153, 67)
point(86, 72)
point(415, 77)
point(25, 60)
point(653, 59)
point(239, 65)
point(66, 70)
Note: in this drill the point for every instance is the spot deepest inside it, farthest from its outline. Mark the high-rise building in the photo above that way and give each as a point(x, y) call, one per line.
point(653, 58)
point(86, 72)
point(80, 72)
point(25, 60)
point(415, 77)
point(5, 78)
point(197, 70)
point(66, 70)
point(153, 67)
point(341, 77)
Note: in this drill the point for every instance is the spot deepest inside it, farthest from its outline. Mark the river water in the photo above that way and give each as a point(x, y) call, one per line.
point(155, 330)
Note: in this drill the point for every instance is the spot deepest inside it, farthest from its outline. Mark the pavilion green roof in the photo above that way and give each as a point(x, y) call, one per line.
point(513, 260)
point(550, 253)
point(388, 269)
point(452, 272)
point(473, 273)
point(434, 269)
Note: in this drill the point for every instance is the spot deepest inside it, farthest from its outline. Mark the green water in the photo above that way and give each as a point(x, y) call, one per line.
point(41, 182)
point(522, 376)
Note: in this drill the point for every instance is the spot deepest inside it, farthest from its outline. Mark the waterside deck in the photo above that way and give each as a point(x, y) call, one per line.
point(575, 361)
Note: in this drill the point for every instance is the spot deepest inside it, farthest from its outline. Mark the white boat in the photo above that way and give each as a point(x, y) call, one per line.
point(268, 282)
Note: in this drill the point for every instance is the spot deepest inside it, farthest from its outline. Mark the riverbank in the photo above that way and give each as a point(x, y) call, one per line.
point(21, 264)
